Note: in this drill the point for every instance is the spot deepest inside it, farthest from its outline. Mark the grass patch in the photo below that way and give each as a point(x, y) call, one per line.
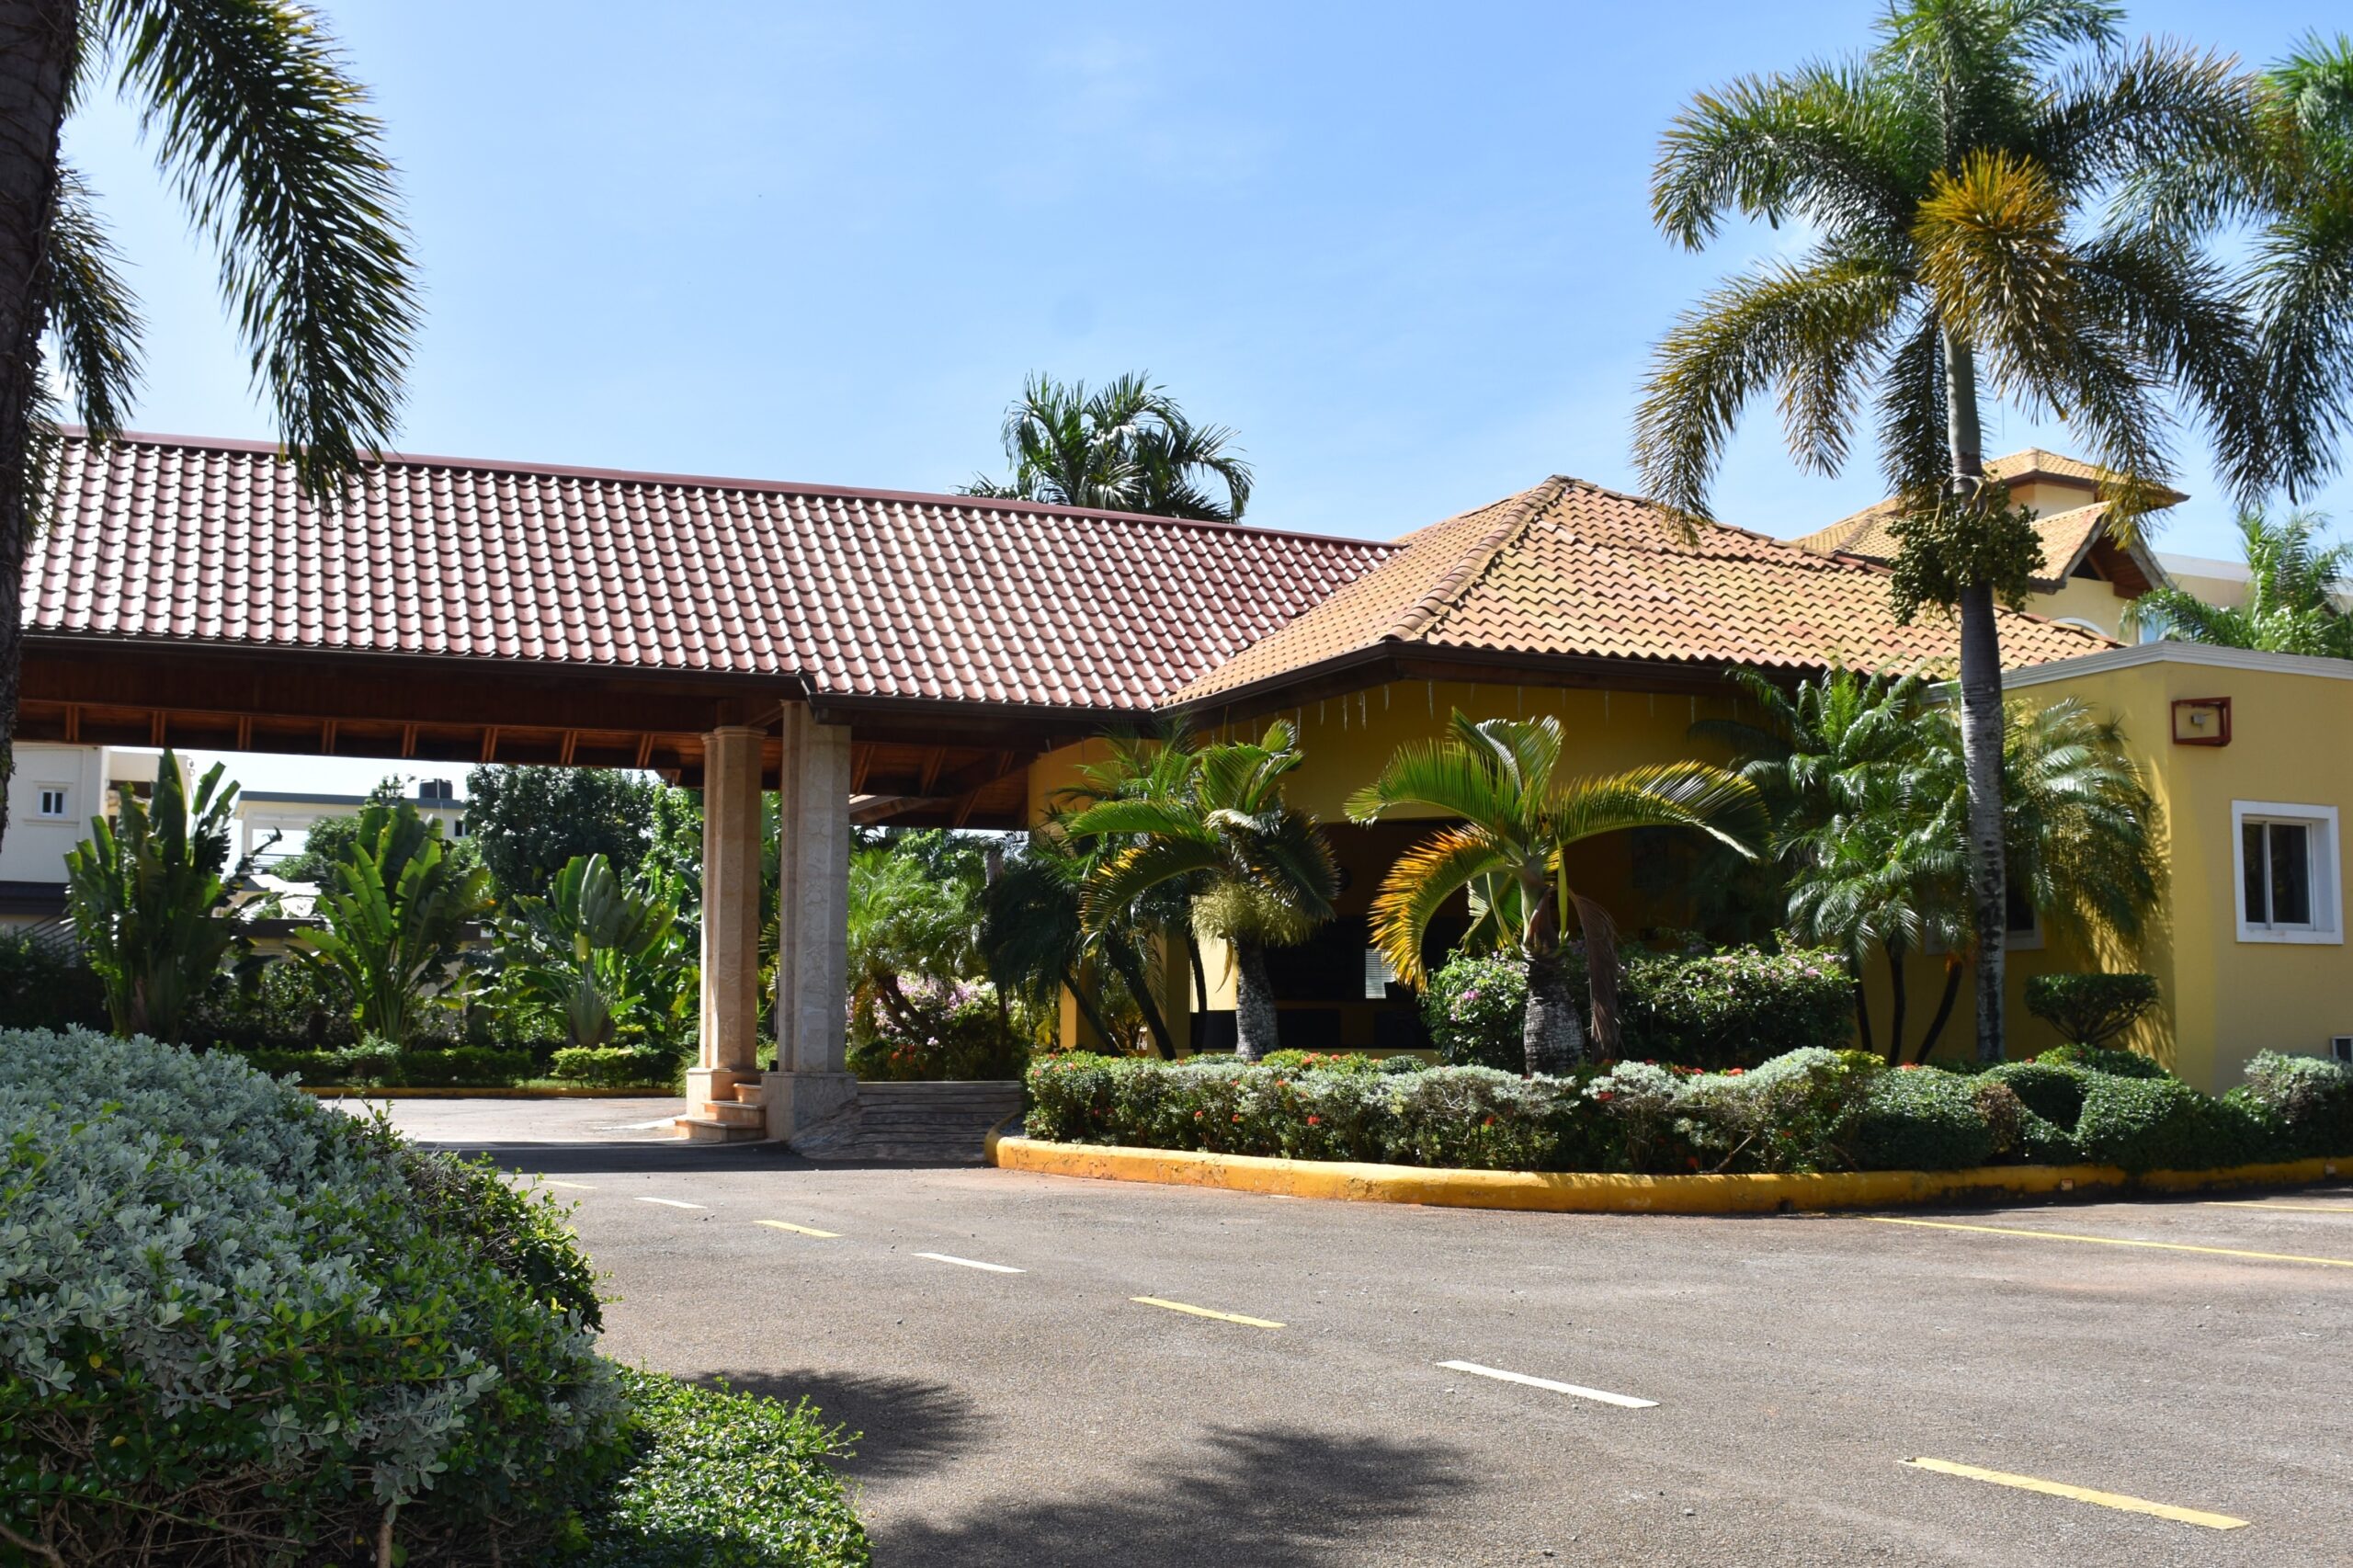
point(722, 1479)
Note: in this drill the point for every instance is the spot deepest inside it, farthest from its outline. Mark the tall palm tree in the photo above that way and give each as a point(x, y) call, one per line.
point(1262, 874)
point(269, 146)
point(1947, 176)
point(2294, 584)
point(1125, 447)
point(1499, 779)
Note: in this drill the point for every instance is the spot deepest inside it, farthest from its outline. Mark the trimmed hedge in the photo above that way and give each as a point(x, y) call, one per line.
point(1804, 1111)
point(378, 1062)
point(1739, 1008)
point(615, 1067)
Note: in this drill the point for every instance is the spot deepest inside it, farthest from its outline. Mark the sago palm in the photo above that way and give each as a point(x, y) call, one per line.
point(1261, 873)
point(1955, 181)
point(1500, 780)
point(268, 142)
point(2294, 598)
point(1125, 447)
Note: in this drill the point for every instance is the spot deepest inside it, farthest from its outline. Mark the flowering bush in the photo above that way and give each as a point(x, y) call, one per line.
point(237, 1321)
point(2308, 1099)
point(940, 1029)
point(1475, 1007)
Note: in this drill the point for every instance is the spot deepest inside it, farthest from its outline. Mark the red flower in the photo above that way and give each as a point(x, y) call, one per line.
point(1605, 1095)
point(1197, 1116)
point(1237, 1116)
point(1692, 1161)
point(1312, 1121)
point(1734, 1072)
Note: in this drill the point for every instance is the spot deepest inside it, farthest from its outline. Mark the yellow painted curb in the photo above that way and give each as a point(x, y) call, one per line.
point(1599, 1193)
point(444, 1092)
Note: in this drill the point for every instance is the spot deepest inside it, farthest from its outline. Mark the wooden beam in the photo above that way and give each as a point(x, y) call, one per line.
point(245, 732)
point(489, 744)
point(73, 722)
point(932, 760)
point(644, 749)
point(155, 728)
point(408, 741)
point(570, 745)
point(861, 758)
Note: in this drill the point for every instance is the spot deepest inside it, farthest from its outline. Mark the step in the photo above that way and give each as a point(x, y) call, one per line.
point(703, 1130)
point(734, 1113)
point(750, 1091)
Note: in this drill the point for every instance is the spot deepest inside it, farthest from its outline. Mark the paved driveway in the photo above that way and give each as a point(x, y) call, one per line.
point(1022, 1403)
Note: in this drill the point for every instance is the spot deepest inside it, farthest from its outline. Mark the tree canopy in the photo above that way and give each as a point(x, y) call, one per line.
point(527, 824)
point(1123, 447)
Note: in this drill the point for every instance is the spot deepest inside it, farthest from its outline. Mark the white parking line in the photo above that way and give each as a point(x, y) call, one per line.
point(972, 1263)
point(1625, 1400)
point(575, 1186)
point(669, 1202)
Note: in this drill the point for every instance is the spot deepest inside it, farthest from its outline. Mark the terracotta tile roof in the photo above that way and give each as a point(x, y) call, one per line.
point(1865, 533)
point(854, 592)
point(1570, 569)
point(1869, 536)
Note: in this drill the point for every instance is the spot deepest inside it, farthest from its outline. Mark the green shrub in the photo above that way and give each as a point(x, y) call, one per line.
point(2307, 1099)
point(1916, 1119)
point(1475, 1008)
point(962, 1041)
point(1479, 1118)
point(2102, 1059)
point(2051, 1090)
point(2146, 1124)
point(281, 1005)
point(608, 1067)
point(45, 985)
point(2090, 1009)
point(1340, 1061)
point(722, 1480)
point(1739, 1008)
point(228, 1305)
point(1796, 1112)
point(1735, 1008)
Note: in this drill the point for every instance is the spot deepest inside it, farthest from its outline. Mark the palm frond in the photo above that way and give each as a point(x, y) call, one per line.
point(92, 310)
point(1418, 886)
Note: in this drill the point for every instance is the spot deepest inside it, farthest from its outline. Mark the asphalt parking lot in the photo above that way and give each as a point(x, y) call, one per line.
point(1051, 1371)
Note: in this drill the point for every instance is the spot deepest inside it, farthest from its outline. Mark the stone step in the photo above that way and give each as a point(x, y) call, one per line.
point(704, 1130)
point(750, 1091)
point(734, 1113)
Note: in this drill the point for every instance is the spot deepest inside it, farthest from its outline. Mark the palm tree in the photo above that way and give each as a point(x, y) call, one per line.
point(1499, 779)
point(269, 146)
point(606, 957)
point(1946, 174)
point(1869, 792)
point(392, 922)
point(1124, 448)
point(2293, 588)
point(1260, 871)
point(1861, 836)
point(1037, 942)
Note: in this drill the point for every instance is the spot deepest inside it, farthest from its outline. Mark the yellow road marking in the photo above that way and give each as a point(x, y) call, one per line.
point(2081, 1493)
point(2296, 1207)
point(800, 1230)
point(575, 1186)
point(1205, 1312)
point(2113, 1240)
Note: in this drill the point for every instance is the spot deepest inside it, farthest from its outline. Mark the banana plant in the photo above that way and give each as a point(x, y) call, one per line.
point(393, 923)
point(606, 957)
point(148, 894)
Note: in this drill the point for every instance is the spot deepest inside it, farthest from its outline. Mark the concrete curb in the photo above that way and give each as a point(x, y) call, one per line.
point(444, 1092)
point(1593, 1193)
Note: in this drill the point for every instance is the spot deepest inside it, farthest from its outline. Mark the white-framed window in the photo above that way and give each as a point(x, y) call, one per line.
point(54, 802)
point(2284, 861)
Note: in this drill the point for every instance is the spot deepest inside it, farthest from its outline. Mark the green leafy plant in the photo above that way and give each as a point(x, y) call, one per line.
point(2292, 595)
point(2091, 1009)
point(150, 893)
point(393, 924)
point(1125, 447)
point(1258, 869)
point(2308, 1098)
point(45, 982)
point(603, 957)
point(1498, 777)
point(531, 824)
point(607, 1067)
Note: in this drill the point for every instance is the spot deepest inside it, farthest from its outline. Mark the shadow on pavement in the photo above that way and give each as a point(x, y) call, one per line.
point(1275, 1497)
point(905, 1426)
point(626, 1159)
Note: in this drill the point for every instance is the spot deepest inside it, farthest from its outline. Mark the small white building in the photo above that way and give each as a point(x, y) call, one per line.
point(291, 815)
point(54, 793)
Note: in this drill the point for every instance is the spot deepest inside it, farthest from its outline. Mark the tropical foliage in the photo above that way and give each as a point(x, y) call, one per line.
point(392, 923)
point(1212, 821)
point(268, 142)
point(1865, 783)
point(149, 894)
point(1516, 819)
point(2295, 601)
point(1957, 179)
point(604, 957)
point(529, 824)
point(1124, 446)
point(919, 1005)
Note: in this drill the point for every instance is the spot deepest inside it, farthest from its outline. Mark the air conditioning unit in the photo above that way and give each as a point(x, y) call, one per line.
point(2340, 1046)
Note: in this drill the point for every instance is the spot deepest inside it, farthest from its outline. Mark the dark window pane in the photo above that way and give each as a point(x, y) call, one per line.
point(2018, 910)
point(2251, 853)
point(2292, 874)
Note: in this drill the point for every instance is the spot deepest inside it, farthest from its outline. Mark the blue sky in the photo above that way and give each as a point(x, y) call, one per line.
point(1404, 251)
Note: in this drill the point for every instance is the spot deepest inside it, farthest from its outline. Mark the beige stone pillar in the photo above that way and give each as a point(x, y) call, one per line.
point(812, 919)
point(731, 914)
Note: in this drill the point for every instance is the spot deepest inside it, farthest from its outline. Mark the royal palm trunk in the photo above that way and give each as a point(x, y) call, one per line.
point(1981, 712)
point(1553, 1038)
point(37, 58)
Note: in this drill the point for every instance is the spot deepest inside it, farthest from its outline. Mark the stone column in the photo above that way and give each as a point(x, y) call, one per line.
point(731, 914)
point(813, 918)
